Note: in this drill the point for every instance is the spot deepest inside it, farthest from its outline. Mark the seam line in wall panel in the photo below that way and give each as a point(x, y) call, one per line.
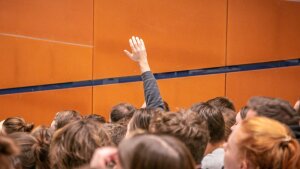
point(226, 44)
point(158, 76)
point(45, 40)
point(93, 55)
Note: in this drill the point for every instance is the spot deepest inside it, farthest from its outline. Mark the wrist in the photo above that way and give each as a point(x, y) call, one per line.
point(144, 66)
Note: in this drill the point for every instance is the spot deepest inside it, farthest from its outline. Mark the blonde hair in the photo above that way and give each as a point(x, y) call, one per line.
point(266, 143)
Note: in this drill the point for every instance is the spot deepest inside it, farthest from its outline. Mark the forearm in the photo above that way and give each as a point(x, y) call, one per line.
point(151, 91)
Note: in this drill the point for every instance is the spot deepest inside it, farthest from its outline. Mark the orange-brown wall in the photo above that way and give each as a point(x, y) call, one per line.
point(48, 42)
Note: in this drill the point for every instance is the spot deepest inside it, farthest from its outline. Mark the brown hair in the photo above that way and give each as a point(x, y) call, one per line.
point(274, 108)
point(266, 143)
point(73, 145)
point(243, 112)
point(65, 117)
point(43, 136)
point(214, 118)
point(116, 131)
point(16, 124)
point(187, 126)
point(141, 119)
point(96, 117)
point(32, 151)
point(121, 111)
point(150, 151)
point(221, 102)
point(229, 118)
point(8, 150)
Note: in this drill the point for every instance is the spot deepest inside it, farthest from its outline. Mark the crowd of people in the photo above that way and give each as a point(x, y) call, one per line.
point(211, 134)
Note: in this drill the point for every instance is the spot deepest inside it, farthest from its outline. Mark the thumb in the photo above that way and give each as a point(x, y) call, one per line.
point(128, 53)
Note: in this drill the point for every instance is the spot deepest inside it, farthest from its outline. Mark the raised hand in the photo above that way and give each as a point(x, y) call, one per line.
point(138, 53)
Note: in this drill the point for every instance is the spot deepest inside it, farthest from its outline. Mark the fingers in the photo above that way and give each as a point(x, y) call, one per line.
point(136, 43)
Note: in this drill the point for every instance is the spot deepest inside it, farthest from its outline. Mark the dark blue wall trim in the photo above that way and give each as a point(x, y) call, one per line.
point(165, 75)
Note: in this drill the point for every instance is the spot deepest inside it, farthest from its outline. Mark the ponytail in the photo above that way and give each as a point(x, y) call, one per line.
point(43, 136)
point(291, 154)
point(28, 127)
point(16, 124)
point(40, 153)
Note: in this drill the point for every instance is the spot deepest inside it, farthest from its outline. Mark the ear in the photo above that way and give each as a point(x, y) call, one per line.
point(244, 164)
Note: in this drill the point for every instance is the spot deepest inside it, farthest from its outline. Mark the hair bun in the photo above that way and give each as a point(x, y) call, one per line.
point(8, 147)
point(28, 127)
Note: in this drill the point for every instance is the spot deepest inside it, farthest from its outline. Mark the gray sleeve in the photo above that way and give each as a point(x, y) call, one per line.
point(151, 91)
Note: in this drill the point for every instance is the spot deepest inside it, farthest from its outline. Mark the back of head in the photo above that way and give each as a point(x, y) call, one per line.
point(266, 143)
point(121, 111)
point(8, 150)
point(31, 150)
point(73, 145)
point(229, 118)
point(141, 119)
point(96, 117)
point(186, 126)
point(116, 131)
point(221, 102)
point(43, 135)
point(16, 124)
point(214, 119)
point(150, 151)
point(274, 108)
point(65, 117)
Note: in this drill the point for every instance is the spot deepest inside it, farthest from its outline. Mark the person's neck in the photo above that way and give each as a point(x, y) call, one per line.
point(212, 146)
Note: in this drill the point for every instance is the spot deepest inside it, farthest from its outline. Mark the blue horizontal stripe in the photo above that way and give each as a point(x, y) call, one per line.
point(164, 75)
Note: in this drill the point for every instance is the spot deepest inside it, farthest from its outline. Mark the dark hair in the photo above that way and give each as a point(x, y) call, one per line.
point(166, 106)
point(63, 118)
point(73, 145)
point(274, 108)
point(141, 119)
point(16, 124)
point(243, 112)
point(120, 111)
point(221, 102)
point(8, 151)
point(187, 126)
point(297, 106)
point(96, 117)
point(214, 118)
point(150, 151)
point(32, 151)
point(116, 131)
point(43, 135)
point(229, 118)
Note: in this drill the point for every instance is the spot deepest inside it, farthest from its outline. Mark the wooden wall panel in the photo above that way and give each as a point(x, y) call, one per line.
point(178, 92)
point(260, 31)
point(26, 62)
point(281, 82)
point(41, 107)
point(62, 20)
point(179, 35)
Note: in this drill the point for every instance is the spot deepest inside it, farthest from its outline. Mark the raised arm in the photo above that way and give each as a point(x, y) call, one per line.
point(151, 91)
